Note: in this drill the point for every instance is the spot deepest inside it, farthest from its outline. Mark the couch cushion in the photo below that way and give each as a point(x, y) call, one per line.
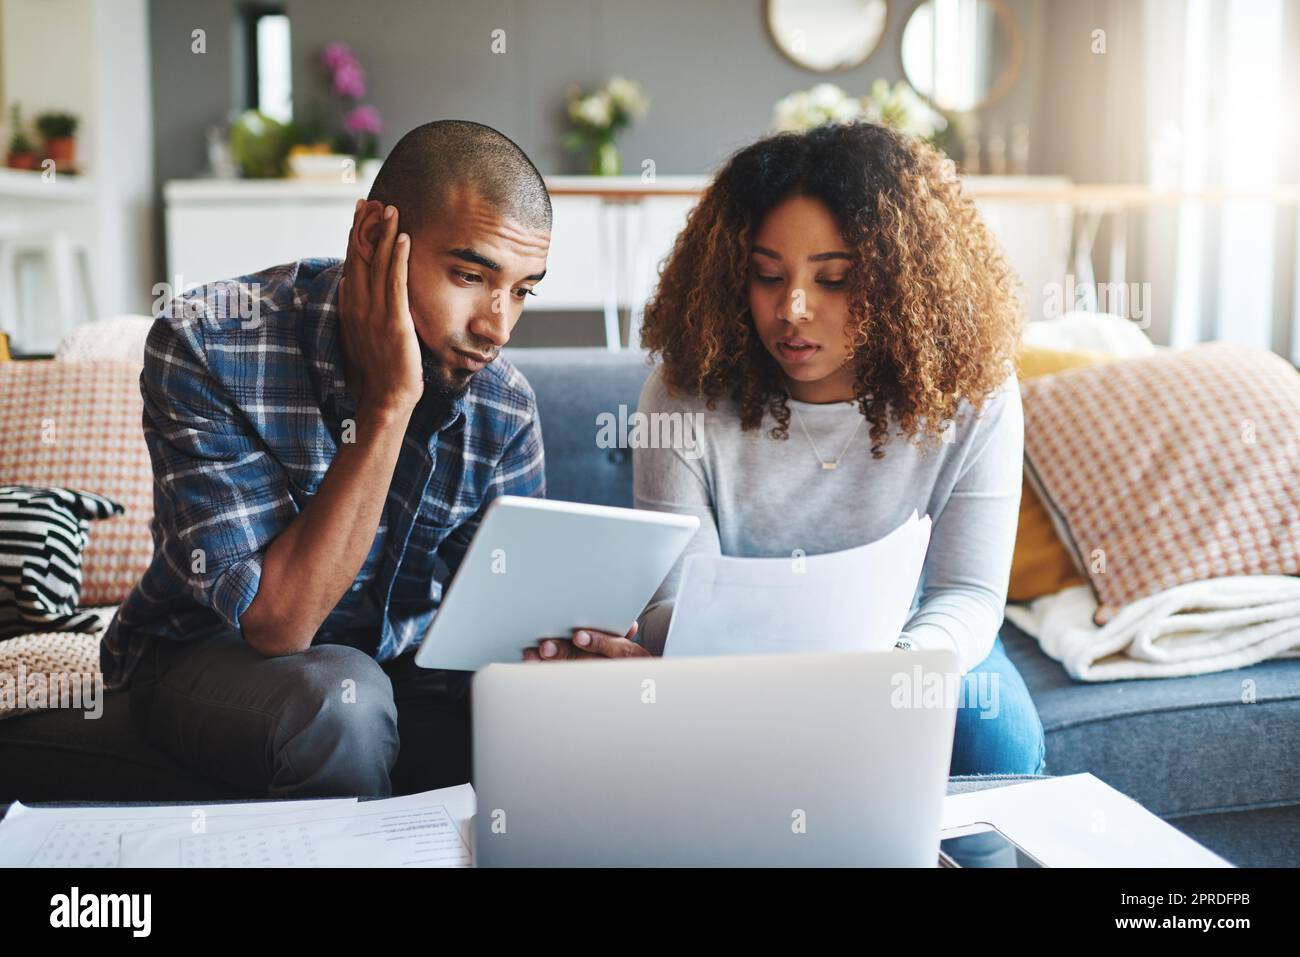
point(1227, 740)
point(1041, 564)
point(73, 660)
point(1170, 469)
point(1264, 837)
point(78, 425)
point(116, 337)
point(62, 755)
point(1096, 331)
point(575, 386)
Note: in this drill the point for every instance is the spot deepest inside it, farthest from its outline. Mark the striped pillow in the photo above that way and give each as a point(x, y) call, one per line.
point(77, 425)
point(43, 532)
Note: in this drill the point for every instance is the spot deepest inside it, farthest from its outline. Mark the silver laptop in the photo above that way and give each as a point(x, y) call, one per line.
point(790, 760)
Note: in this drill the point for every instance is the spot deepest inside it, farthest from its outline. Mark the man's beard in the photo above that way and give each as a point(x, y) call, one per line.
point(444, 384)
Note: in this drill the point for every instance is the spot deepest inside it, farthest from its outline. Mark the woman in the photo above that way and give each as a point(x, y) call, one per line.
point(845, 323)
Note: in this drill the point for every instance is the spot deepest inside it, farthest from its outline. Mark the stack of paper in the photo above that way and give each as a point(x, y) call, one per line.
point(852, 600)
point(1074, 821)
point(419, 830)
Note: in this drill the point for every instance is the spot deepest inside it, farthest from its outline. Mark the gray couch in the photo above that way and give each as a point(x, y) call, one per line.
point(1225, 772)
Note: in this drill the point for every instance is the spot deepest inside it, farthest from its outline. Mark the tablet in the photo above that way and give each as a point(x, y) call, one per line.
point(538, 568)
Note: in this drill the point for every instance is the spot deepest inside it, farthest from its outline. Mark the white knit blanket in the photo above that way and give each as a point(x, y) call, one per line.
point(1192, 629)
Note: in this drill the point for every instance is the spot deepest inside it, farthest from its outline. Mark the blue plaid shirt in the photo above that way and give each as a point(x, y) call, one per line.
point(244, 407)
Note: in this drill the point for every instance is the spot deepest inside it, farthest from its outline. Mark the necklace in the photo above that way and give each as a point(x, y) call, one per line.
point(827, 466)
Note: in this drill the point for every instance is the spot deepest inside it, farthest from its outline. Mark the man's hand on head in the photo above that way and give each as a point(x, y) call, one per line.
point(587, 643)
point(380, 344)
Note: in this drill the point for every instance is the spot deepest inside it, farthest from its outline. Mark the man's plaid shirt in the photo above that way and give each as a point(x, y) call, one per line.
point(244, 409)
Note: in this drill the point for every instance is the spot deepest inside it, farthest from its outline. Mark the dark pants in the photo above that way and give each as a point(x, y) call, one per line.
point(328, 722)
point(333, 722)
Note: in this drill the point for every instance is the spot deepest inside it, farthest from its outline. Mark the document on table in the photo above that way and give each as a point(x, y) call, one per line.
point(418, 830)
point(1078, 821)
point(852, 600)
point(91, 836)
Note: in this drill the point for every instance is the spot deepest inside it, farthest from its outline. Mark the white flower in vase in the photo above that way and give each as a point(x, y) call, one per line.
point(595, 110)
point(626, 95)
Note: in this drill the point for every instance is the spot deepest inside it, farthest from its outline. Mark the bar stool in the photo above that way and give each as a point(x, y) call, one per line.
point(66, 262)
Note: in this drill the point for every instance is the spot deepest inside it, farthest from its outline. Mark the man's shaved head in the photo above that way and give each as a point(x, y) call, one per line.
point(475, 224)
point(432, 160)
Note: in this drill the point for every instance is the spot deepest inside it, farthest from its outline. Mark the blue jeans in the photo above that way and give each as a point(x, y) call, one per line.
point(998, 730)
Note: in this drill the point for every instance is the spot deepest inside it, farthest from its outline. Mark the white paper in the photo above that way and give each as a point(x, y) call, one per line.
point(160, 846)
point(857, 599)
point(91, 836)
point(1078, 821)
point(419, 830)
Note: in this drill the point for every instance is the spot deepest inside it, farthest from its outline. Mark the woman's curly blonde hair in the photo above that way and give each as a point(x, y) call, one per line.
point(934, 307)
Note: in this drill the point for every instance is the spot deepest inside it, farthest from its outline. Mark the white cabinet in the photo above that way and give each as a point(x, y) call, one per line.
point(218, 229)
point(222, 228)
point(609, 239)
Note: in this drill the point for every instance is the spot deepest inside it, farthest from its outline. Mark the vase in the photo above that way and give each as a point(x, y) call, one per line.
point(22, 159)
point(605, 160)
point(63, 150)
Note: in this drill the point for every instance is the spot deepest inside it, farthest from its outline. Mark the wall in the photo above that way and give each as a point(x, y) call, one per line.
point(191, 91)
point(711, 70)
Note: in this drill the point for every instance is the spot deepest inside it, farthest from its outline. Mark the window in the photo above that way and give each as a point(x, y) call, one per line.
point(268, 76)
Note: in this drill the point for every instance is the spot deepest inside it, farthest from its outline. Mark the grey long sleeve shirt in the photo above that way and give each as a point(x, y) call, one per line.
point(760, 497)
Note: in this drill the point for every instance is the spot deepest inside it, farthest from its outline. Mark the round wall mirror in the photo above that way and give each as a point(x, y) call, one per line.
point(961, 55)
point(827, 36)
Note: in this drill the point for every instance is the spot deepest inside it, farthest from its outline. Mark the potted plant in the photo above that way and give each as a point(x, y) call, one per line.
point(598, 117)
point(351, 131)
point(21, 155)
point(59, 130)
point(312, 155)
point(260, 145)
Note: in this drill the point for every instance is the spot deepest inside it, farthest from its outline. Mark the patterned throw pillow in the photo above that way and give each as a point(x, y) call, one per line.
point(1170, 469)
point(77, 425)
point(42, 535)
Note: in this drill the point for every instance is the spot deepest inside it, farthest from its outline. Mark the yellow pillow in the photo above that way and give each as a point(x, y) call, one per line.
point(4, 348)
point(1041, 565)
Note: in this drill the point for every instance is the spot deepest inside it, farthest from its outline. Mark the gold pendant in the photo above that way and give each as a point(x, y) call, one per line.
point(829, 465)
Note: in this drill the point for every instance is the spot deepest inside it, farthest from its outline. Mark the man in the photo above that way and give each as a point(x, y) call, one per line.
point(321, 462)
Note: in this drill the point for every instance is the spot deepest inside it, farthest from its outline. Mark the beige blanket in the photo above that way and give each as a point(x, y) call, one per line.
point(1192, 629)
